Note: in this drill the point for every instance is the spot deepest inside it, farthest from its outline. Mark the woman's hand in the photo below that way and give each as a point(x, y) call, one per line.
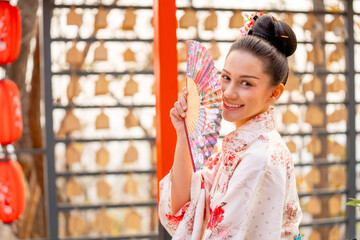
point(178, 112)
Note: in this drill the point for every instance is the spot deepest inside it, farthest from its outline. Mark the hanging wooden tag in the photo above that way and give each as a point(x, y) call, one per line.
point(103, 222)
point(357, 24)
point(69, 124)
point(129, 56)
point(289, 117)
point(318, 56)
point(102, 121)
point(293, 82)
point(73, 188)
point(101, 53)
point(103, 189)
point(311, 56)
point(100, 18)
point(131, 120)
point(131, 186)
point(337, 177)
point(154, 121)
point(153, 88)
point(336, 86)
point(314, 146)
point(313, 206)
point(236, 20)
point(150, 59)
point(133, 221)
point(299, 181)
point(73, 18)
point(211, 21)
point(315, 85)
point(309, 25)
point(72, 154)
point(153, 155)
point(334, 233)
point(336, 23)
point(182, 57)
point(336, 149)
point(101, 85)
point(102, 157)
point(131, 87)
point(74, 56)
point(337, 54)
point(315, 235)
point(338, 115)
point(76, 224)
point(314, 116)
point(154, 220)
point(313, 177)
point(154, 187)
point(335, 205)
point(188, 19)
point(214, 51)
point(129, 19)
point(73, 89)
point(131, 154)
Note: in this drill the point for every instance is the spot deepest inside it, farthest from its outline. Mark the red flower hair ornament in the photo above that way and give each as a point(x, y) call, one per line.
point(250, 23)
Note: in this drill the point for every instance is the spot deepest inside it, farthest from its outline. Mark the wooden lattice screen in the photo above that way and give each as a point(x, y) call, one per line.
point(102, 176)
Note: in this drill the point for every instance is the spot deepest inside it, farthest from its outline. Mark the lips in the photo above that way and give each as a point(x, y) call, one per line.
point(232, 107)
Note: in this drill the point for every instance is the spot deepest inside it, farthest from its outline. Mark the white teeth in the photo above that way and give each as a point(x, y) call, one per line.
point(234, 106)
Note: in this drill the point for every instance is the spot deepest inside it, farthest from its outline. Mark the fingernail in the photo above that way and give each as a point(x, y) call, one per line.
point(183, 114)
point(184, 107)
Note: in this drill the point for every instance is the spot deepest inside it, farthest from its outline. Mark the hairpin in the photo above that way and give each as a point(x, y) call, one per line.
point(250, 23)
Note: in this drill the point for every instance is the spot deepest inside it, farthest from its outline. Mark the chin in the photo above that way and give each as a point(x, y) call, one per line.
point(230, 118)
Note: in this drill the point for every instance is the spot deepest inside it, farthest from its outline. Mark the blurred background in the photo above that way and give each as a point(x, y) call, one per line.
point(86, 80)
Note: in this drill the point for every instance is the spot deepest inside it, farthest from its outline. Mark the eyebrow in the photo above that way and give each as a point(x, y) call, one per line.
point(242, 76)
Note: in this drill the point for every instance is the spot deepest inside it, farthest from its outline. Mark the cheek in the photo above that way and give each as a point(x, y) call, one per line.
point(254, 95)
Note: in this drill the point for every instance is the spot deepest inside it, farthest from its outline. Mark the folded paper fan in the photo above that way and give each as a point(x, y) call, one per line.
point(203, 117)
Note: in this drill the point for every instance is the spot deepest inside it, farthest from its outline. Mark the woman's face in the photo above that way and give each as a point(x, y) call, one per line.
point(247, 90)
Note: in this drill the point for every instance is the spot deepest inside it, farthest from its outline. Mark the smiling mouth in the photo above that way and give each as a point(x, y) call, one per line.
point(232, 107)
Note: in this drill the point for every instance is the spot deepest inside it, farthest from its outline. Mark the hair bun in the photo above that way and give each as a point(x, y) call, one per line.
point(277, 32)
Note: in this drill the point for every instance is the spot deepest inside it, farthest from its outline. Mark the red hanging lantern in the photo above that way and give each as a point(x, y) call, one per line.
point(10, 32)
point(10, 112)
point(12, 191)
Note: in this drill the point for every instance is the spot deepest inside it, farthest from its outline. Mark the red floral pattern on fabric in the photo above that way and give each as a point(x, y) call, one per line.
point(216, 217)
point(211, 162)
point(283, 158)
point(229, 160)
point(175, 219)
point(291, 210)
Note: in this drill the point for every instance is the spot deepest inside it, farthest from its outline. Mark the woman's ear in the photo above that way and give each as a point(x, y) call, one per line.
point(276, 93)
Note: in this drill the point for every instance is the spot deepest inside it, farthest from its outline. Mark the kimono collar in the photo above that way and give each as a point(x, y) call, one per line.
point(264, 122)
point(240, 138)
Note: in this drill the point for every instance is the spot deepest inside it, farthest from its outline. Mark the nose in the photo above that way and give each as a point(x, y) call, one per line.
point(229, 91)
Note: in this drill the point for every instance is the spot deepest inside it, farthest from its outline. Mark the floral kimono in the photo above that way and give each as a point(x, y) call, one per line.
point(247, 191)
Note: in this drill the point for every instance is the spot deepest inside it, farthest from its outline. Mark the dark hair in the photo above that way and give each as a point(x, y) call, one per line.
point(272, 41)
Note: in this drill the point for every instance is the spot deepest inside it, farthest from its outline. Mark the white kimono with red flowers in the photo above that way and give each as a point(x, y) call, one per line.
point(246, 192)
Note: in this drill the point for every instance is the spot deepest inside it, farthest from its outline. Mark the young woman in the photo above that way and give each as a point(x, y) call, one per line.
point(247, 190)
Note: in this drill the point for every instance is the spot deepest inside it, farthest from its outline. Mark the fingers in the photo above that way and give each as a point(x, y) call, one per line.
point(174, 113)
point(180, 107)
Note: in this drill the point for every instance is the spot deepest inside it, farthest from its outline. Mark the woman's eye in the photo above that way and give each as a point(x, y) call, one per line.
point(245, 83)
point(225, 77)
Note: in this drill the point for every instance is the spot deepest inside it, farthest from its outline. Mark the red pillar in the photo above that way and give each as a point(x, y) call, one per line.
point(166, 74)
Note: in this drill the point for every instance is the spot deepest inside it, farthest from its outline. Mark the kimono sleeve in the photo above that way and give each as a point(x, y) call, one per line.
point(191, 216)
